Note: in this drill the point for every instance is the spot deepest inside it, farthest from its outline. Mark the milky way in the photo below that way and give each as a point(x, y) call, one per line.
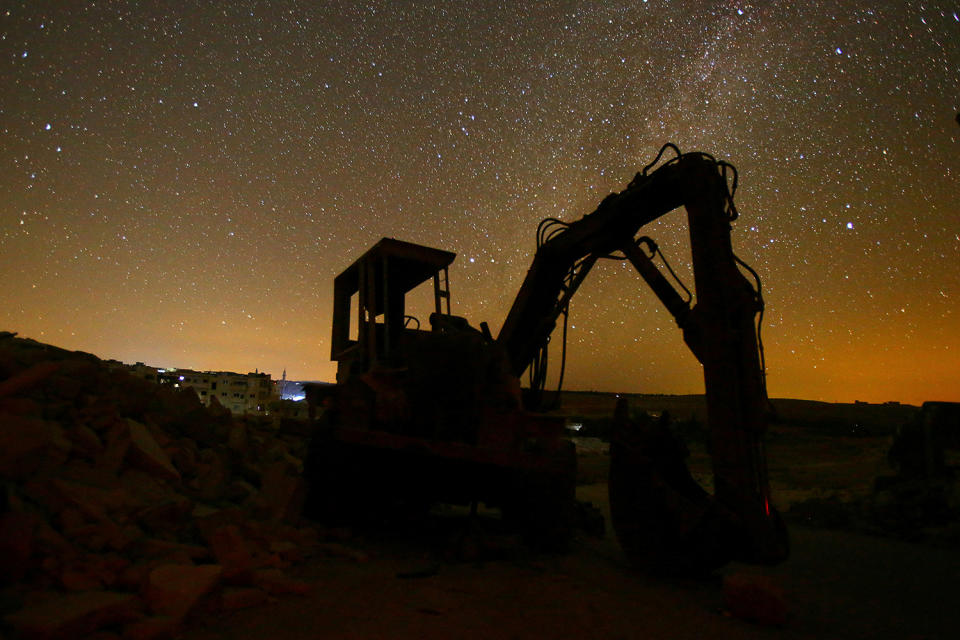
point(182, 181)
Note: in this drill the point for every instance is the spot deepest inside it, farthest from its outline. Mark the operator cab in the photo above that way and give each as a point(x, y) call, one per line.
point(372, 291)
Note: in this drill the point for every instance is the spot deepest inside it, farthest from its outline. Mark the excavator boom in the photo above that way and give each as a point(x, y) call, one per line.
point(719, 328)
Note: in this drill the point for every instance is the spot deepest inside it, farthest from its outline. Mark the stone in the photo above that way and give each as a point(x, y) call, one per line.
point(342, 551)
point(92, 572)
point(26, 379)
point(117, 445)
point(153, 547)
point(755, 598)
point(30, 445)
point(233, 552)
point(243, 598)
point(19, 406)
point(183, 454)
point(282, 494)
point(208, 519)
point(176, 590)
point(146, 454)
point(237, 440)
point(17, 535)
point(85, 441)
point(213, 475)
point(74, 615)
point(275, 582)
point(48, 542)
point(152, 628)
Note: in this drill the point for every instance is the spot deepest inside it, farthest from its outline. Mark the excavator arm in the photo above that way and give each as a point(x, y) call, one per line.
point(647, 493)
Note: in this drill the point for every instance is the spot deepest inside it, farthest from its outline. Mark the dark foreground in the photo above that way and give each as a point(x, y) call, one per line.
point(837, 584)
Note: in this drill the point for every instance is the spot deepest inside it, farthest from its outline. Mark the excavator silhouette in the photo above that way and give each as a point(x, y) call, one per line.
point(419, 416)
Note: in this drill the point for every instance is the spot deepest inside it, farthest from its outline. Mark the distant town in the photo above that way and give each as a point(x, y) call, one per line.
point(241, 393)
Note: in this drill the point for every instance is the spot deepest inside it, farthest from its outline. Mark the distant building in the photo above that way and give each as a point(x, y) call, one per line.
point(238, 392)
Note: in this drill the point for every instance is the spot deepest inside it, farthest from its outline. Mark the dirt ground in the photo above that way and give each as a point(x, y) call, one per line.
point(837, 584)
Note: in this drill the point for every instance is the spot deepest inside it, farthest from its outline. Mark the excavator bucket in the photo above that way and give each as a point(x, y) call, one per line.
point(665, 521)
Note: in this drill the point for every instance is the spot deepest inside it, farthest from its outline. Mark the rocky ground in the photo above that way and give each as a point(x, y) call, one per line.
point(129, 508)
point(131, 511)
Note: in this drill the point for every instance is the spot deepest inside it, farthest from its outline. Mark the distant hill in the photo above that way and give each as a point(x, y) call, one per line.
point(859, 418)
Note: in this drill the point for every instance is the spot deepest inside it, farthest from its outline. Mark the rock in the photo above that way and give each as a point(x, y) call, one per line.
point(175, 590)
point(92, 572)
point(282, 494)
point(237, 438)
point(243, 598)
point(19, 406)
point(17, 535)
point(342, 551)
point(48, 542)
point(233, 552)
point(85, 441)
point(26, 379)
point(114, 482)
point(208, 519)
point(147, 455)
point(153, 547)
point(213, 475)
point(152, 628)
point(30, 445)
point(117, 445)
point(275, 582)
point(755, 598)
point(184, 455)
point(74, 615)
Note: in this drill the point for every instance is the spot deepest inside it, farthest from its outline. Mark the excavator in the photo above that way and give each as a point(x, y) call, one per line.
point(423, 415)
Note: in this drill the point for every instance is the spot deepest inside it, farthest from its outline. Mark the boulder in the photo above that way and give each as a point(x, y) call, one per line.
point(17, 535)
point(74, 615)
point(243, 598)
point(176, 590)
point(29, 445)
point(146, 454)
point(152, 628)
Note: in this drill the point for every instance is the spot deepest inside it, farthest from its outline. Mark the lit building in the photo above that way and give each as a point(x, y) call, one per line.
point(238, 392)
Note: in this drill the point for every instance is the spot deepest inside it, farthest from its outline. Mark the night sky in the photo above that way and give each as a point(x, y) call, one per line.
point(181, 181)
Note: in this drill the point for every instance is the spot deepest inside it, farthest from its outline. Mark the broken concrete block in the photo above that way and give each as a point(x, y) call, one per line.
point(75, 615)
point(175, 590)
point(147, 455)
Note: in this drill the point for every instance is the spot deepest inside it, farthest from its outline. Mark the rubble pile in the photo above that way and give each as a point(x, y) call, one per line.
point(128, 508)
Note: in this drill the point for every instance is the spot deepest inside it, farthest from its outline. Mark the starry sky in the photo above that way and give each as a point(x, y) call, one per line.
point(181, 181)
